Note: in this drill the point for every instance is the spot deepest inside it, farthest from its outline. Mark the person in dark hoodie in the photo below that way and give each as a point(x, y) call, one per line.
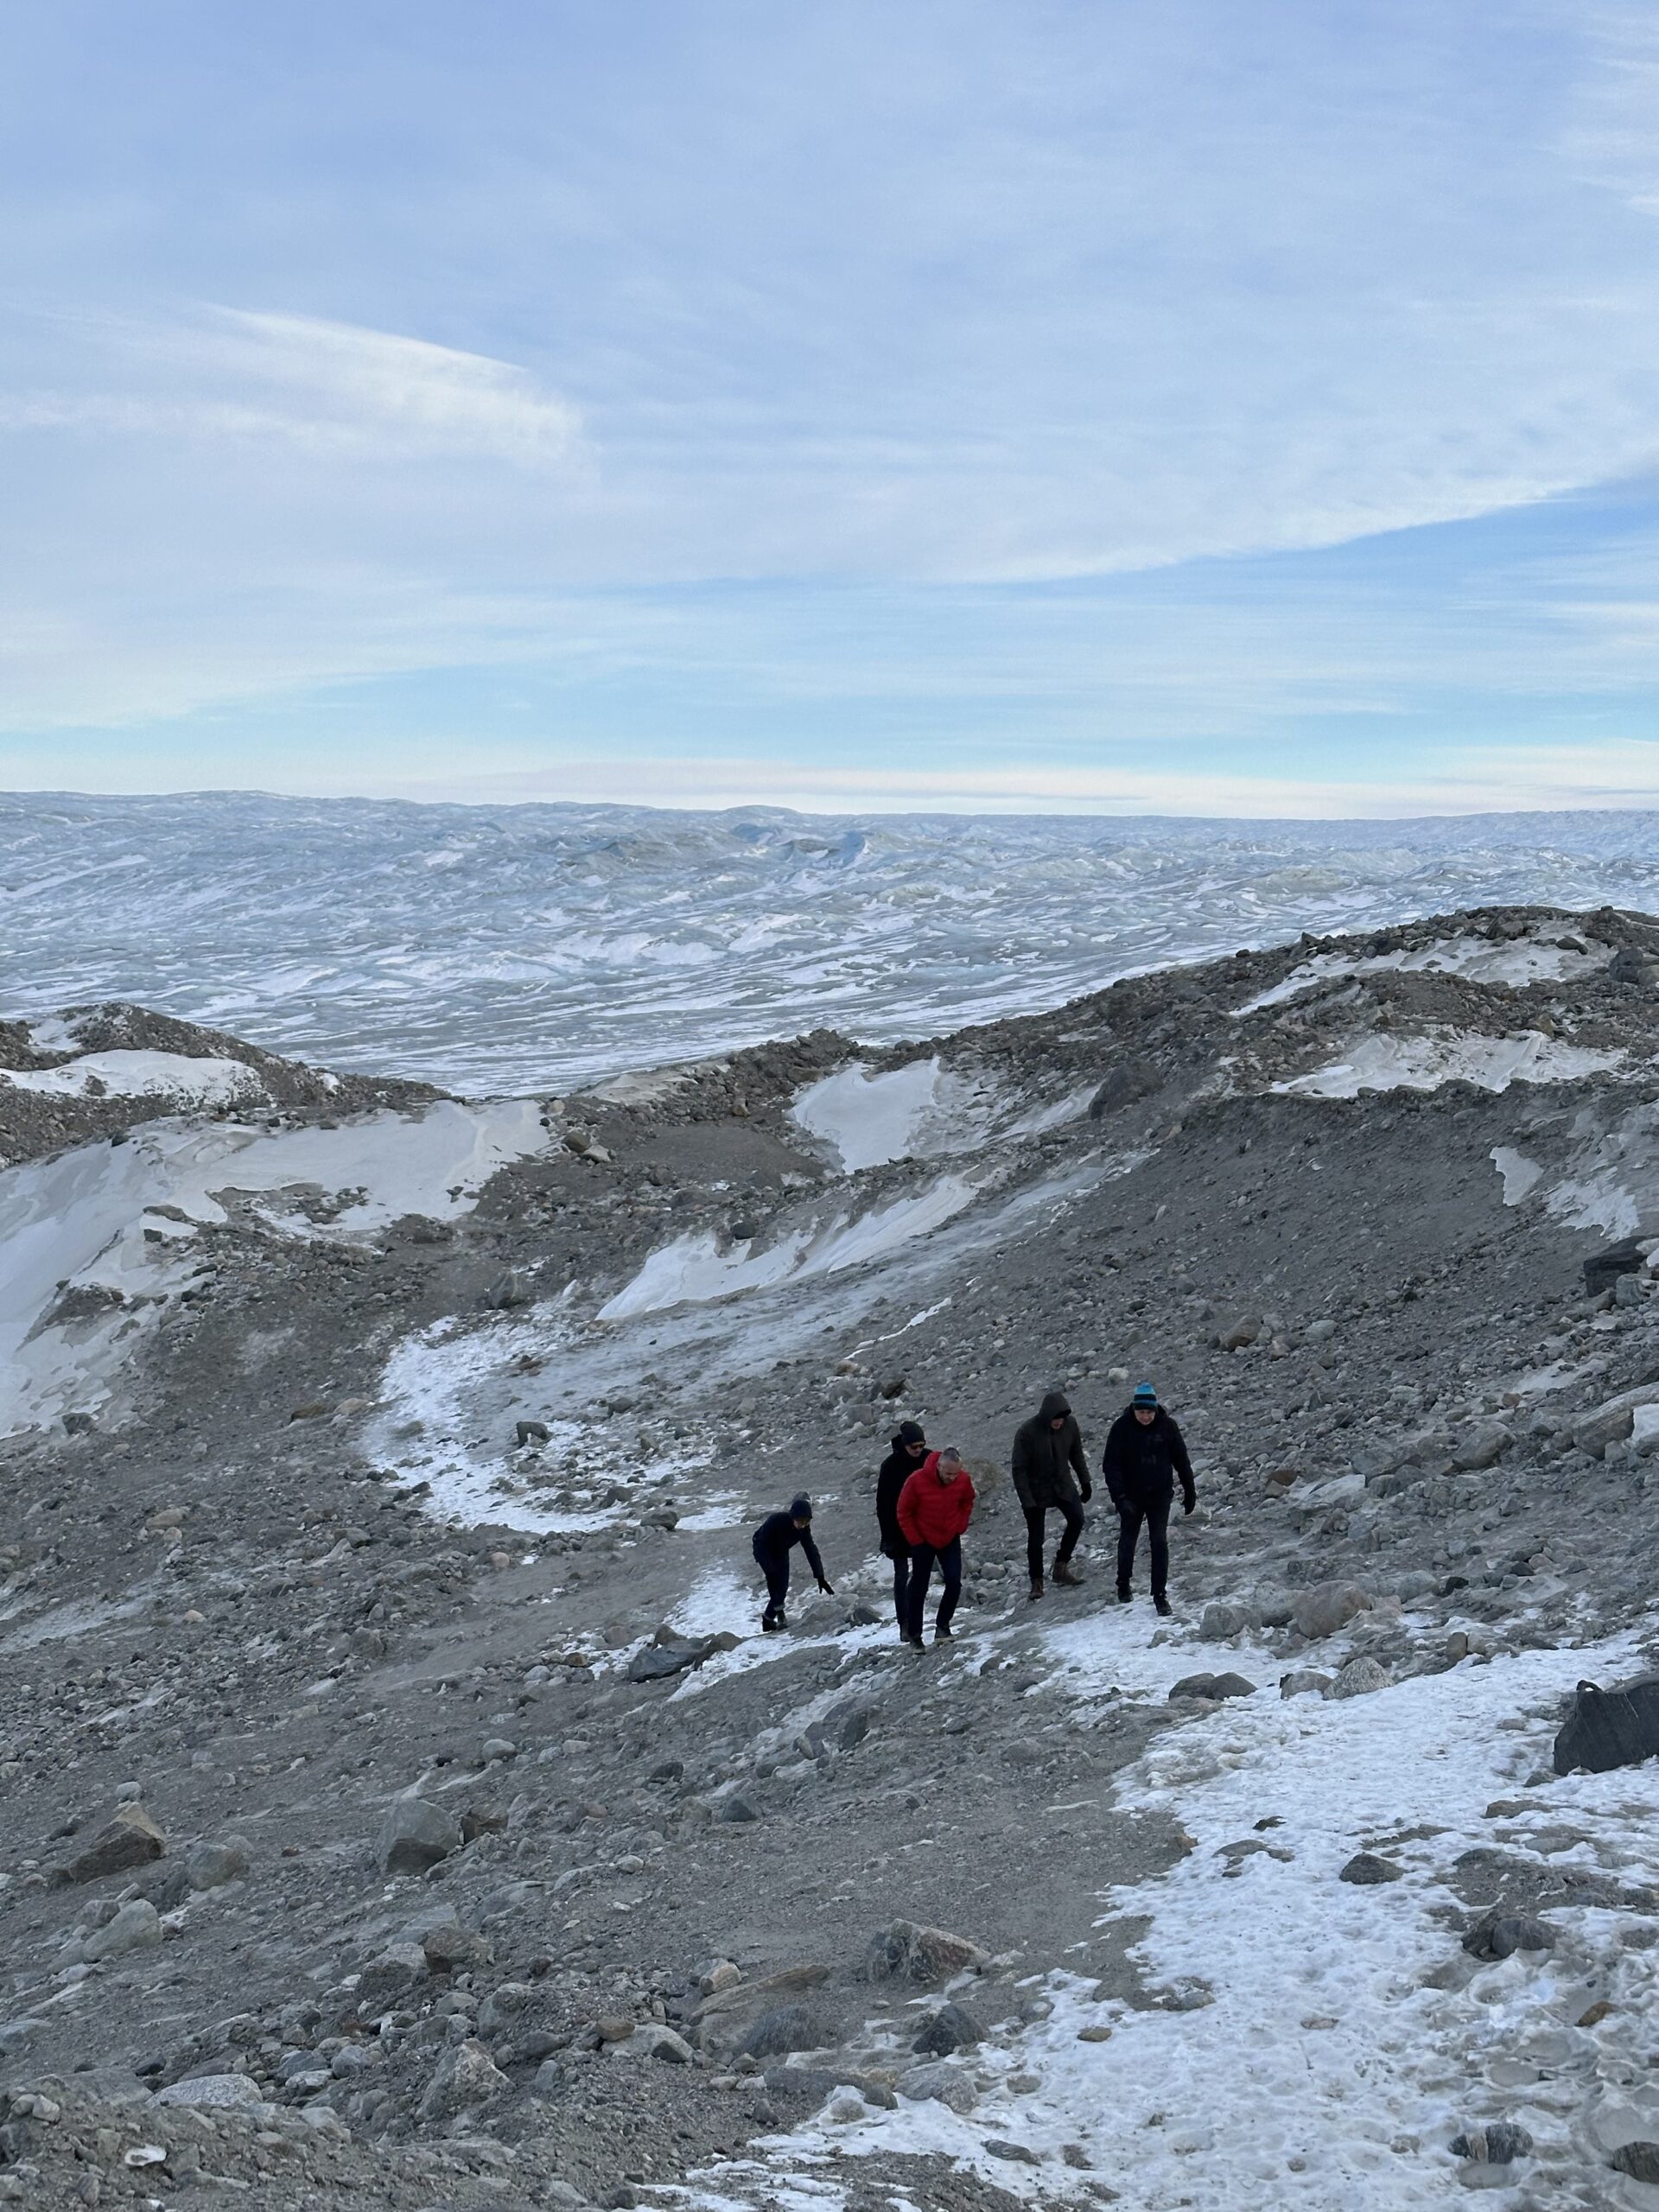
point(1145, 1452)
point(773, 1540)
point(909, 1450)
point(1050, 1475)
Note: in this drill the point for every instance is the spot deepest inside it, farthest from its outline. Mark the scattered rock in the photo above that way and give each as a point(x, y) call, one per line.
point(1302, 1680)
point(211, 1865)
point(940, 2081)
point(652, 2040)
point(531, 1431)
point(214, 2093)
point(1215, 1686)
point(1359, 1677)
point(1640, 2160)
point(465, 2077)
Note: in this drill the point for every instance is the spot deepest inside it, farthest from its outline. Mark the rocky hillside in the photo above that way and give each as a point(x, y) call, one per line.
point(405, 1810)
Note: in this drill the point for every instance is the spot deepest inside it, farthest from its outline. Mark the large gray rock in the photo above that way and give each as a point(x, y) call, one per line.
point(1327, 1607)
point(953, 2027)
point(1211, 1686)
point(130, 1839)
point(137, 1927)
point(210, 1865)
point(903, 1952)
point(784, 2028)
point(658, 1662)
point(214, 2093)
point(652, 2040)
point(466, 2078)
point(1613, 1420)
point(950, 2085)
point(1359, 1678)
point(415, 1835)
point(1608, 1728)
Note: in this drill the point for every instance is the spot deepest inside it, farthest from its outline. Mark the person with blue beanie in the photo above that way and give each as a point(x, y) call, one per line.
point(1145, 1452)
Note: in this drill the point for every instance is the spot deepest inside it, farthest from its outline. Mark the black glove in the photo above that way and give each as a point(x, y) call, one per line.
point(1190, 1502)
point(829, 1592)
point(1086, 1489)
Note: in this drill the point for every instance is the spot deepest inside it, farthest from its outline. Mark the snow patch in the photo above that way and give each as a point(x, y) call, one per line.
point(176, 1076)
point(1476, 959)
point(1425, 1062)
point(694, 1269)
point(86, 1225)
point(1520, 1174)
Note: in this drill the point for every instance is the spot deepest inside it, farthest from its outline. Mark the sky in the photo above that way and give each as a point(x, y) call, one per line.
point(1117, 405)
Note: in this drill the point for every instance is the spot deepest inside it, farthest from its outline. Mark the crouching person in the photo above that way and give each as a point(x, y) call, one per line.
point(935, 1507)
point(774, 1539)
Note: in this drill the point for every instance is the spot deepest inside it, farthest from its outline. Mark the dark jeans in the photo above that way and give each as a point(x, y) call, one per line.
point(901, 1589)
point(776, 1574)
point(1154, 1512)
point(922, 1557)
point(1036, 1520)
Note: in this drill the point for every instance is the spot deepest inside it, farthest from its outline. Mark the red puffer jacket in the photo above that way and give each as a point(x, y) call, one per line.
point(932, 1512)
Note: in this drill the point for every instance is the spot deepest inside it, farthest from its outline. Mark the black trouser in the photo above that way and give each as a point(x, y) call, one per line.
point(1132, 1509)
point(1036, 1519)
point(901, 1589)
point(922, 1557)
point(776, 1574)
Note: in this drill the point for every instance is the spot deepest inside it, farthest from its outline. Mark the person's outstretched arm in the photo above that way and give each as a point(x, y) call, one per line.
point(813, 1560)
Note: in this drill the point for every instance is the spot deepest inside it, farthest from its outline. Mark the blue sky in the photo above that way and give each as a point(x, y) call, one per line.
point(1184, 406)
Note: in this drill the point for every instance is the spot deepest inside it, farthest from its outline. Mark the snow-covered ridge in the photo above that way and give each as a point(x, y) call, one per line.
point(1425, 1062)
point(181, 1080)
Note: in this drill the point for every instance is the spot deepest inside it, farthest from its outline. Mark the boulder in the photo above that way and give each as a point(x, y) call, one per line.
point(1234, 1335)
point(1500, 1936)
point(1608, 1728)
point(953, 2027)
point(1480, 1446)
point(950, 2085)
point(1640, 2160)
point(903, 1952)
point(1614, 1420)
point(211, 1865)
point(1359, 1677)
point(784, 2028)
point(1327, 1607)
point(137, 1927)
point(215, 2093)
point(414, 1836)
point(388, 1979)
point(1498, 2143)
point(530, 1432)
point(724, 2018)
point(652, 2040)
point(130, 1838)
point(1211, 1686)
point(1224, 1618)
point(465, 2077)
point(1302, 1682)
point(1367, 1871)
point(658, 1662)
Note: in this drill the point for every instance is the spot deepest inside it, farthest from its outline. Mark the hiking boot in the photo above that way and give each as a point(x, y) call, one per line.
point(1163, 1605)
point(1036, 1587)
point(942, 1635)
point(1125, 1595)
point(915, 1643)
point(771, 1620)
point(1066, 1574)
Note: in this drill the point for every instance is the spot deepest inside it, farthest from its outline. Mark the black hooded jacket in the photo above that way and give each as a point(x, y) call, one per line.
point(774, 1536)
point(896, 1471)
point(1050, 1467)
point(1141, 1462)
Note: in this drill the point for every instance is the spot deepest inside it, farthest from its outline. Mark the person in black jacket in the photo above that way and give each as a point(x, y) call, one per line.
point(909, 1450)
point(1050, 1475)
point(773, 1540)
point(1145, 1452)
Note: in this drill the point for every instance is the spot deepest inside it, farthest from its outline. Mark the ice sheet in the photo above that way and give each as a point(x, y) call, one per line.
point(870, 1120)
point(1424, 1063)
point(1520, 1174)
point(1477, 960)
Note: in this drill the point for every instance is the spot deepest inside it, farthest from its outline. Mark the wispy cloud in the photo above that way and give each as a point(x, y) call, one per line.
point(330, 389)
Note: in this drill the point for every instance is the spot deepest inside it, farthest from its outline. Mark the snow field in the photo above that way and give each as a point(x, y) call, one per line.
point(1424, 1063)
point(1321, 2042)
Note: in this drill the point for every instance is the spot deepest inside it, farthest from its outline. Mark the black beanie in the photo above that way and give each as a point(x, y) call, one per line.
point(910, 1432)
point(800, 1509)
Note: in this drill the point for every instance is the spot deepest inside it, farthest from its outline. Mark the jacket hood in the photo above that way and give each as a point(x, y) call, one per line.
point(1055, 1407)
point(930, 1466)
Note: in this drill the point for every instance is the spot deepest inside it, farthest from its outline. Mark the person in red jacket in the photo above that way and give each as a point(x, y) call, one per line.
point(935, 1506)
